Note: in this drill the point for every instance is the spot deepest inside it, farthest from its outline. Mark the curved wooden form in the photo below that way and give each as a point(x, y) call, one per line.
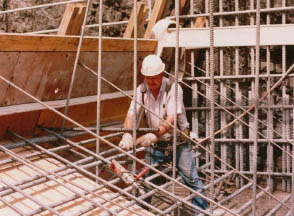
point(43, 65)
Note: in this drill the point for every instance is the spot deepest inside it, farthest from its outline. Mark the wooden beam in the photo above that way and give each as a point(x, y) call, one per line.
point(157, 12)
point(12, 42)
point(72, 19)
point(142, 12)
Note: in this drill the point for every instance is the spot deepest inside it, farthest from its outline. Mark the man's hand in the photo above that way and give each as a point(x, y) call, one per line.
point(147, 140)
point(126, 141)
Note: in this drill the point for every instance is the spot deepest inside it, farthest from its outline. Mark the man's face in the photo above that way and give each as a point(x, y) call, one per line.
point(154, 82)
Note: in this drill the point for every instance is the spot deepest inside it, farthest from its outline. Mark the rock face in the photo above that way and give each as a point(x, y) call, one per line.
point(50, 17)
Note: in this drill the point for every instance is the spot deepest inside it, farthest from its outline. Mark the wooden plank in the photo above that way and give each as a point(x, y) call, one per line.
point(72, 19)
point(13, 42)
point(47, 75)
point(8, 62)
point(142, 12)
point(157, 12)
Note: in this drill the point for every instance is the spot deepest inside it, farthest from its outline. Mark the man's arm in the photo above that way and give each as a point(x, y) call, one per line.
point(164, 127)
point(129, 121)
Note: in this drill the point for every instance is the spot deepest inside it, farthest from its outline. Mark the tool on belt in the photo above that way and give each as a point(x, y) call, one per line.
point(128, 177)
point(167, 147)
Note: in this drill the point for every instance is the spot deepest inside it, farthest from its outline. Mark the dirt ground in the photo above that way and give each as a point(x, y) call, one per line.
point(264, 204)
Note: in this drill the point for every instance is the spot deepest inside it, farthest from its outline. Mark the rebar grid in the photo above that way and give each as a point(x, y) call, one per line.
point(239, 152)
point(246, 112)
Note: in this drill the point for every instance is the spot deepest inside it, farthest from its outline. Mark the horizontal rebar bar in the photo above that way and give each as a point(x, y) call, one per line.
point(238, 108)
point(216, 181)
point(40, 6)
point(249, 203)
point(239, 76)
point(239, 12)
point(236, 193)
point(277, 207)
point(87, 26)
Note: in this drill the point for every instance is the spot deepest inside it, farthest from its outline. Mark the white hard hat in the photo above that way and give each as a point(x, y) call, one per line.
point(152, 65)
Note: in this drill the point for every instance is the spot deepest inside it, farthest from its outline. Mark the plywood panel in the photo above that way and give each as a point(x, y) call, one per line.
point(47, 75)
point(29, 75)
point(10, 42)
point(22, 123)
point(8, 62)
point(111, 110)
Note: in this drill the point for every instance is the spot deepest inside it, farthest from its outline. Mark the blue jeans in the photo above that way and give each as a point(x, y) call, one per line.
point(185, 164)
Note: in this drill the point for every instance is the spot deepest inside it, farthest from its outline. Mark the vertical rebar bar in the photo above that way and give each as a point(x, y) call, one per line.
point(292, 191)
point(99, 73)
point(238, 125)
point(284, 156)
point(195, 123)
point(135, 86)
point(269, 111)
point(207, 114)
point(176, 94)
point(75, 65)
point(256, 99)
point(212, 99)
point(223, 90)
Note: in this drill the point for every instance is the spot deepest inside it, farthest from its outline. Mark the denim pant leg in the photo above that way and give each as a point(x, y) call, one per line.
point(153, 156)
point(187, 169)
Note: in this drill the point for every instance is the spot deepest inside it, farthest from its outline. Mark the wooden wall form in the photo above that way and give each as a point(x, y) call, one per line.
point(43, 65)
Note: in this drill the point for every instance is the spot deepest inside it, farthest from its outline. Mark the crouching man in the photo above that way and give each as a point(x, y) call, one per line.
point(158, 95)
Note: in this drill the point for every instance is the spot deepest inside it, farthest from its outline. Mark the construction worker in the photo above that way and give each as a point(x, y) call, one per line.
point(158, 95)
